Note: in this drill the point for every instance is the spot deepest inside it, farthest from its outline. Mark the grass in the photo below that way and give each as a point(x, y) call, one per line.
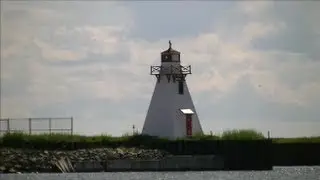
point(65, 141)
point(315, 139)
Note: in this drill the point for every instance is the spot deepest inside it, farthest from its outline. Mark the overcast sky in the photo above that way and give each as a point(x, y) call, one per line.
point(255, 64)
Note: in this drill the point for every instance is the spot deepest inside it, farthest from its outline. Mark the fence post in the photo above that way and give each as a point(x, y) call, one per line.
point(50, 126)
point(71, 125)
point(8, 125)
point(30, 128)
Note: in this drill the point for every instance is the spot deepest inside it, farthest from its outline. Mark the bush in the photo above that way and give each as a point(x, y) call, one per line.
point(244, 134)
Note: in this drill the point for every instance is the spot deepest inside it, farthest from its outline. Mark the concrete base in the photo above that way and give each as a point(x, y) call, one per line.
point(88, 166)
point(173, 163)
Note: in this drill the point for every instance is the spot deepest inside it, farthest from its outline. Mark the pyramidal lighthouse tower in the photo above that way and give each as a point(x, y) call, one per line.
point(171, 112)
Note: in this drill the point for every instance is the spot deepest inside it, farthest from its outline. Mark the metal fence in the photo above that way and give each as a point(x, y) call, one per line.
point(37, 125)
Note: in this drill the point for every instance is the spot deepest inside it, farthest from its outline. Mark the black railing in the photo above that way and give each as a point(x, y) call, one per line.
point(170, 69)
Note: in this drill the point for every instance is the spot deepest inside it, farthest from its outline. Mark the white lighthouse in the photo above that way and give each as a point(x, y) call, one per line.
point(171, 112)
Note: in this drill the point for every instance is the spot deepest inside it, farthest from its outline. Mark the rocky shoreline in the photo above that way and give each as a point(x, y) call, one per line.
point(28, 160)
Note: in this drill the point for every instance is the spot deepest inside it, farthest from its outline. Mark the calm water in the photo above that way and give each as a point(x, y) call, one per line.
point(290, 173)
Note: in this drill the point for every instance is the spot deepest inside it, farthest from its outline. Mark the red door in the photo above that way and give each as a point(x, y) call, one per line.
point(189, 125)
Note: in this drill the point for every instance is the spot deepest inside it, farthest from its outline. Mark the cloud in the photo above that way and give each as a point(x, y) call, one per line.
point(255, 9)
point(95, 65)
point(51, 53)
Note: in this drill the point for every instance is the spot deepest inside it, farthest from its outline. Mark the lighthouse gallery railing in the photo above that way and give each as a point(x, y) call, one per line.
point(170, 69)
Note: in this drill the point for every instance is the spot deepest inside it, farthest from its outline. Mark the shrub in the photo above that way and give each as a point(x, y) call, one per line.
point(243, 134)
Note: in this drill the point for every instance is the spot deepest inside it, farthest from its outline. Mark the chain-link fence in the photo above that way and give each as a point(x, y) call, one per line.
point(37, 125)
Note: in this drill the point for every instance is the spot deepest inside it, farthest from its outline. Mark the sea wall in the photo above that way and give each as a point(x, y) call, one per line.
point(170, 163)
point(29, 160)
point(107, 160)
point(248, 154)
point(237, 154)
point(296, 154)
point(257, 153)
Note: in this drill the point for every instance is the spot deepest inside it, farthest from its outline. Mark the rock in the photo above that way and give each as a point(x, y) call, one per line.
point(17, 166)
point(24, 160)
point(2, 168)
point(11, 170)
point(34, 160)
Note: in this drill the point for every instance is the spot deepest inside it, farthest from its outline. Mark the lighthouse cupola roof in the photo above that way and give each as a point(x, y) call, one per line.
point(170, 55)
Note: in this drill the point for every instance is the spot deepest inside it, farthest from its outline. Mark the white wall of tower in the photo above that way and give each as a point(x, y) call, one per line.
point(163, 117)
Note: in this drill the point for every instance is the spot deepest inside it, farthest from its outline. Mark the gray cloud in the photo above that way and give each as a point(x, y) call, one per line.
point(247, 65)
point(300, 34)
point(158, 20)
point(243, 103)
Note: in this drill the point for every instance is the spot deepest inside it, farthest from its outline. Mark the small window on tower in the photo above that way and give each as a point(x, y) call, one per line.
point(175, 57)
point(180, 86)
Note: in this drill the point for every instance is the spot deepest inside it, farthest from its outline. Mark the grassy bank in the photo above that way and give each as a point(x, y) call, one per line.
point(65, 141)
point(315, 139)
